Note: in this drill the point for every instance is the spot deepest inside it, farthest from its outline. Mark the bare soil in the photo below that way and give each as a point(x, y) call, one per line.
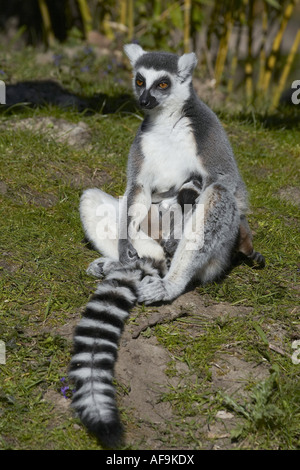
point(142, 380)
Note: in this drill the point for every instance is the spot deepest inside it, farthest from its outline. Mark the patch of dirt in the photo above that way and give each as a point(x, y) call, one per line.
point(60, 403)
point(142, 379)
point(189, 304)
point(73, 134)
point(3, 188)
point(38, 199)
point(29, 195)
point(140, 372)
point(6, 264)
point(87, 178)
point(290, 194)
point(231, 373)
point(67, 330)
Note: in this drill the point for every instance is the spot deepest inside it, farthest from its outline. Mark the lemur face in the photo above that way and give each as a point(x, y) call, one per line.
point(152, 87)
point(160, 78)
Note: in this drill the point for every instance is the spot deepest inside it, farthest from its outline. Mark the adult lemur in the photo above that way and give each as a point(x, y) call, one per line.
point(180, 156)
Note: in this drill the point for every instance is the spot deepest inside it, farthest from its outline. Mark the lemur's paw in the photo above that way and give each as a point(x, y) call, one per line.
point(100, 267)
point(153, 289)
point(96, 268)
point(148, 280)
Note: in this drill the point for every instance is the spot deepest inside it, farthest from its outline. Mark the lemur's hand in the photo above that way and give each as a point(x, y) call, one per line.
point(153, 289)
point(127, 253)
point(103, 266)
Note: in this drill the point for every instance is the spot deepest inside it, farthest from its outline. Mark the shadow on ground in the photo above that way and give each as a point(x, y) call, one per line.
point(37, 93)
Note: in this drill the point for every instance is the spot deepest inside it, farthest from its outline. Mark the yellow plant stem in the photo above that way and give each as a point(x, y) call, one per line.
point(276, 44)
point(262, 55)
point(130, 19)
point(223, 48)
point(249, 66)
point(187, 24)
point(233, 67)
point(49, 35)
point(107, 26)
point(249, 82)
point(123, 12)
point(235, 57)
point(85, 15)
point(286, 71)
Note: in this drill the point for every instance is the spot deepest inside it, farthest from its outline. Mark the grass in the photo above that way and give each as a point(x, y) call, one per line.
point(42, 269)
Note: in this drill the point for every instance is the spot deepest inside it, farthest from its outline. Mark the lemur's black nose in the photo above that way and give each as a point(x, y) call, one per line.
point(145, 102)
point(145, 99)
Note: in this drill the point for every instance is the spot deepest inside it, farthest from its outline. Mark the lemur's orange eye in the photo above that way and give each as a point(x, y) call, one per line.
point(139, 82)
point(163, 85)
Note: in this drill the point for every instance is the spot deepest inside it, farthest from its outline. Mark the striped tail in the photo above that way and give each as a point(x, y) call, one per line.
point(95, 350)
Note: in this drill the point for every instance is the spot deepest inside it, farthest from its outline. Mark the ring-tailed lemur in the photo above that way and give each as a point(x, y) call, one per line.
point(181, 155)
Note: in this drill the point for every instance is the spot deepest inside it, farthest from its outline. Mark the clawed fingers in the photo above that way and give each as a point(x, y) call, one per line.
point(151, 290)
point(96, 268)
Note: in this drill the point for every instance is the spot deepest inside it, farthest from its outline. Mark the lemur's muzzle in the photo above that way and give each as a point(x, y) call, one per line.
point(147, 101)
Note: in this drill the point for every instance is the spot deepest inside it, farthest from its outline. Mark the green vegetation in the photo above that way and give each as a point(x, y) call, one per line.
point(242, 44)
point(43, 262)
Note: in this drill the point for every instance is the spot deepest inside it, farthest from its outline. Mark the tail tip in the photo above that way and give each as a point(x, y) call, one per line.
point(110, 435)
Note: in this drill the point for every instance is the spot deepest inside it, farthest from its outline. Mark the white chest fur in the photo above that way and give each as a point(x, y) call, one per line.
point(170, 154)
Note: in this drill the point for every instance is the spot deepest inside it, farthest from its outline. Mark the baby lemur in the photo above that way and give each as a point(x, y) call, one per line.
point(180, 157)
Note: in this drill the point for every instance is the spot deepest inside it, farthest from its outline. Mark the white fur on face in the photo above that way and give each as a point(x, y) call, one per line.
point(151, 75)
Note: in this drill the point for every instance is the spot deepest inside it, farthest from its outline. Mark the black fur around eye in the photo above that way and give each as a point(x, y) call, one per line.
point(139, 80)
point(163, 85)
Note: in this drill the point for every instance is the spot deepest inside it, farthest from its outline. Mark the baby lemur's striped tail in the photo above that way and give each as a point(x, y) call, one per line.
point(96, 341)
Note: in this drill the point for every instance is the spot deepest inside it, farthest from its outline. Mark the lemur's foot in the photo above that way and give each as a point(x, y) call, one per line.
point(258, 258)
point(100, 267)
point(153, 289)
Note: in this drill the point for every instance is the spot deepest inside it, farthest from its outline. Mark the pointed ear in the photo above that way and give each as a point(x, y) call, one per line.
point(133, 52)
point(186, 65)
